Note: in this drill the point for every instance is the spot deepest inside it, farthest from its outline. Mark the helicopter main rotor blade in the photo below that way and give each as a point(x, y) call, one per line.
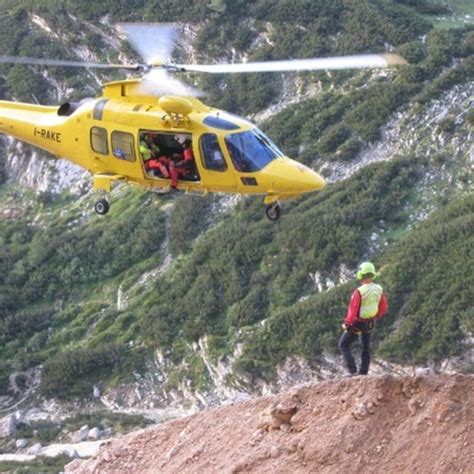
point(317, 64)
point(154, 42)
point(59, 62)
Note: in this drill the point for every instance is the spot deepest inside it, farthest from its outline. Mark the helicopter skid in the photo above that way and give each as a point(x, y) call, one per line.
point(103, 182)
point(271, 198)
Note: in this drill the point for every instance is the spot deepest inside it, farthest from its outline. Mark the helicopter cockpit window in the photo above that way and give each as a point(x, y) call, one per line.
point(99, 140)
point(211, 153)
point(123, 146)
point(251, 151)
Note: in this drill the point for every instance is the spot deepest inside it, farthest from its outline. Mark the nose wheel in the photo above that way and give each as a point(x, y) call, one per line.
point(273, 211)
point(102, 207)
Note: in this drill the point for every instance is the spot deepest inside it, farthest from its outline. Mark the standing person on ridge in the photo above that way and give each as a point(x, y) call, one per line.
point(367, 304)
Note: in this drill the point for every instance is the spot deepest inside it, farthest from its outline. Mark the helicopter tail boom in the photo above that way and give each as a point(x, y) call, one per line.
point(34, 124)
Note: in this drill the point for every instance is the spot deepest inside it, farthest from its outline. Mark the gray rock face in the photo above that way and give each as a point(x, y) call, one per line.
point(32, 168)
point(8, 426)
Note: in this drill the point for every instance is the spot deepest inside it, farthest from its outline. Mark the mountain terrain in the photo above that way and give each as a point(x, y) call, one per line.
point(170, 304)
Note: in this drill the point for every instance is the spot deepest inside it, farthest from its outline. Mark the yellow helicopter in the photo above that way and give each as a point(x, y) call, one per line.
point(139, 129)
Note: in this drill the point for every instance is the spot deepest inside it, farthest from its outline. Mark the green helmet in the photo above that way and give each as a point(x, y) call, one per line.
point(366, 268)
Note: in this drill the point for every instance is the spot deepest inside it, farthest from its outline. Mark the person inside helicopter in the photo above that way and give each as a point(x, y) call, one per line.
point(145, 149)
point(183, 164)
point(155, 165)
point(168, 156)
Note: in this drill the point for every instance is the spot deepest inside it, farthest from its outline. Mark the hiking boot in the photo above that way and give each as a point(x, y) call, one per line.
point(348, 376)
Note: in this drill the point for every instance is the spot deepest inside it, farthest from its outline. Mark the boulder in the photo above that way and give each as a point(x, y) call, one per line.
point(80, 435)
point(21, 443)
point(275, 416)
point(8, 426)
point(106, 433)
point(35, 449)
point(20, 416)
point(94, 433)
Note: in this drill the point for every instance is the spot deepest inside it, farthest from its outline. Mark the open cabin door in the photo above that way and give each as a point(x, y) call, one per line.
point(165, 153)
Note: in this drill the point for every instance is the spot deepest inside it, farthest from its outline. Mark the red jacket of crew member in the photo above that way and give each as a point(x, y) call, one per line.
point(181, 168)
point(188, 154)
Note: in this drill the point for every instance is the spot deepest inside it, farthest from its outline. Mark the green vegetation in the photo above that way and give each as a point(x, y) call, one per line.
point(428, 278)
point(452, 13)
point(447, 125)
point(65, 275)
point(335, 125)
point(120, 422)
point(4, 377)
point(432, 300)
point(44, 465)
point(47, 432)
point(73, 373)
point(188, 219)
point(42, 431)
point(301, 29)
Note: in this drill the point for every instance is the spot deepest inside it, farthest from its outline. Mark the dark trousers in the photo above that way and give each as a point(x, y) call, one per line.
point(345, 347)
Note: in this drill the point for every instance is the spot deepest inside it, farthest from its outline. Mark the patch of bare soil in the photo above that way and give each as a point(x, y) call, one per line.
point(357, 425)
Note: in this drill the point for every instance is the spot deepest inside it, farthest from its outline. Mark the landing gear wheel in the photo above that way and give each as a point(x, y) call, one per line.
point(273, 211)
point(102, 207)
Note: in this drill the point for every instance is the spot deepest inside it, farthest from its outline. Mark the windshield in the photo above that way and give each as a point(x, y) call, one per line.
point(251, 151)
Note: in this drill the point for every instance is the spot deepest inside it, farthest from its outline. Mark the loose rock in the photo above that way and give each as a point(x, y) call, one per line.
point(21, 443)
point(35, 449)
point(8, 426)
point(94, 433)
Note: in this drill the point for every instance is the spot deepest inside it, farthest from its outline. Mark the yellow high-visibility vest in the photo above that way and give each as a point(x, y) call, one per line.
point(145, 151)
point(370, 293)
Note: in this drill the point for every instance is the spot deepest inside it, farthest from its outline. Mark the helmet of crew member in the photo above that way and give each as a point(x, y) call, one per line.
point(366, 269)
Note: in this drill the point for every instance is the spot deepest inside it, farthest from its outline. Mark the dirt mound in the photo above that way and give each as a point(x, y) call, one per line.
point(362, 424)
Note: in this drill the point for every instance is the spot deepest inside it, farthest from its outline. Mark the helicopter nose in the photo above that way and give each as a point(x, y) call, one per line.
point(289, 176)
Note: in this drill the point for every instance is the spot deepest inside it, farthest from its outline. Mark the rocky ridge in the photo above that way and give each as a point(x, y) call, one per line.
point(361, 424)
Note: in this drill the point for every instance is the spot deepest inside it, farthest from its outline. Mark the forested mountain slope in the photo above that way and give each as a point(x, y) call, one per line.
point(187, 297)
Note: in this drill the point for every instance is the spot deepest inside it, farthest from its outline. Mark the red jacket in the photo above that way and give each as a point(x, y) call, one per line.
point(188, 154)
point(352, 315)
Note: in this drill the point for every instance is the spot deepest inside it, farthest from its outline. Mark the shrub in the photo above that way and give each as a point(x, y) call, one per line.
point(447, 125)
point(413, 52)
point(71, 374)
point(333, 137)
point(349, 149)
